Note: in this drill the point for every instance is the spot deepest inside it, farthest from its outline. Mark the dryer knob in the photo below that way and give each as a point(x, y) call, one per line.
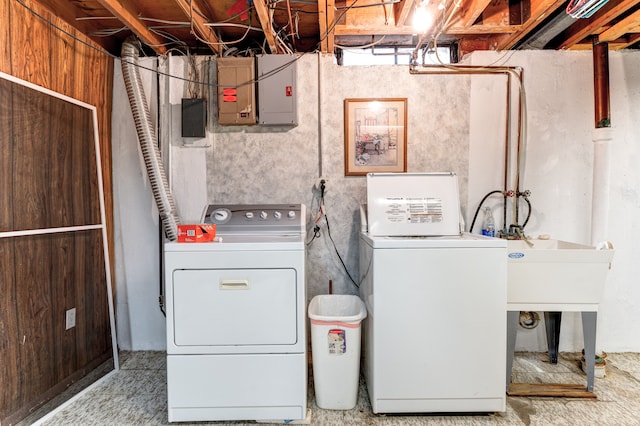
point(291, 214)
point(277, 215)
point(220, 215)
point(263, 215)
point(248, 215)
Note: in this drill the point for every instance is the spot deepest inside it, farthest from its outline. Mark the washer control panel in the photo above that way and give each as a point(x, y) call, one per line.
point(255, 218)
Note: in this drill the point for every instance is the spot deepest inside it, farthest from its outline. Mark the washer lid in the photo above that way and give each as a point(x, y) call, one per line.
point(413, 204)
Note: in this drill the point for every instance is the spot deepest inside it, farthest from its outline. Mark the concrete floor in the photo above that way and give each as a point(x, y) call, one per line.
point(137, 395)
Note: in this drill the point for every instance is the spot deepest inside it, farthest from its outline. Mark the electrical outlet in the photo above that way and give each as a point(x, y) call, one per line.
point(70, 318)
point(318, 184)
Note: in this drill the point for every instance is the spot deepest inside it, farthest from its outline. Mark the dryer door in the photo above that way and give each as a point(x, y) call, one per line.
point(234, 307)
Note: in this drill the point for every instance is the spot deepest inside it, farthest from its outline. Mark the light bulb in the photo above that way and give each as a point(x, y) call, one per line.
point(422, 20)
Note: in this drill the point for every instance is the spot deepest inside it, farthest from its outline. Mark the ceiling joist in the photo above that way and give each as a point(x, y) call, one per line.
point(585, 27)
point(279, 26)
point(198, 24)
point(265, 22)
point(125, 13)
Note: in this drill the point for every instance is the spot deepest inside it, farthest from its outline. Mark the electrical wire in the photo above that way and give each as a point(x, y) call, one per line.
point(316, 230)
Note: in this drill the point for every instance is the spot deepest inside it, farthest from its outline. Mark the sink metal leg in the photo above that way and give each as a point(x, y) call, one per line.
point(512, 330)
point(589, 322)
point(552, 322)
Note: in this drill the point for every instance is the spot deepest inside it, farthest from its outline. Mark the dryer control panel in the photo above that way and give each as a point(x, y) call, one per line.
point(255, 219)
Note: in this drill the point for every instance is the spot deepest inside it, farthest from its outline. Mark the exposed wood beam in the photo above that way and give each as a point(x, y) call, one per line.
point(129, 17)
point(342, 30)
point(331, 23)
point(470, 11)
point(265, 22)
point(468, 45)
point(585, 27)
point(197, 17)
point(627, 25)
point(540, 9)
point(618, 44)
point(322, 23)
point(402, 11)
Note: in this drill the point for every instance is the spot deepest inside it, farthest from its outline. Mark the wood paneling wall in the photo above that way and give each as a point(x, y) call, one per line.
point(45, 181)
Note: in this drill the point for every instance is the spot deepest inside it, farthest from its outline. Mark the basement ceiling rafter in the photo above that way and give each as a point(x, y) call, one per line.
point(250, 27)
point(198, 23)
point(586, 27)
point(265, 22)
point(125, 13)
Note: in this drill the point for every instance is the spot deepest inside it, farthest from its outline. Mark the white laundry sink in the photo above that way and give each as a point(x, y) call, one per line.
point(556, 275)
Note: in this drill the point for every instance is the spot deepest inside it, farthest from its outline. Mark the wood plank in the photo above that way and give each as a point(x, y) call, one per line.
point(470, 11)
point(96, 336)
point(618, 44)
point(342, 30)
point(403, 10)
point(585, 27)
point(550, 390)
point(31, 61)
point(125, 12)
point(331, 21)
point(63, 283)
point(5, 34)
point(323, 23)
point(629, 24)
point(35, 318)
point(265, 22)
point(9, 349)
point(68, 12)
point(195, 14)
point(496, 13)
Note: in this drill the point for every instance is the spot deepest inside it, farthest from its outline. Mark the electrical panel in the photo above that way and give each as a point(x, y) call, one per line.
point(277, 90)
point(236, 91)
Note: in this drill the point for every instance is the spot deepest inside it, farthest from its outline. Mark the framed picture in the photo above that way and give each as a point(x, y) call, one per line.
point(375, 136)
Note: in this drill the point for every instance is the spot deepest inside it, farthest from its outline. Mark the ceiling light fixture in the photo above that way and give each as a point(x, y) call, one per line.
point(422, 19)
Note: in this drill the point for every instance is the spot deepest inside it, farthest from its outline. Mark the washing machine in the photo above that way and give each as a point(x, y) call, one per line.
point(435, 333)
point(236, 341)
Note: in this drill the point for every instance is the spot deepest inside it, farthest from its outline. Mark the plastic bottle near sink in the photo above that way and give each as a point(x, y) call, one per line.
point(489, 225)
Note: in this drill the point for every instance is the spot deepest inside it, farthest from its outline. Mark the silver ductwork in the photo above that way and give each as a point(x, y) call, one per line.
point(148, 140)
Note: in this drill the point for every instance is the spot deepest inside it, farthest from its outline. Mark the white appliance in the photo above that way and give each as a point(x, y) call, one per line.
point(435, 334)
point(236, 341)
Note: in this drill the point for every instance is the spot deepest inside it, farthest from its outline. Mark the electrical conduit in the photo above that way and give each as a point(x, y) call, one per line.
point(148, 140)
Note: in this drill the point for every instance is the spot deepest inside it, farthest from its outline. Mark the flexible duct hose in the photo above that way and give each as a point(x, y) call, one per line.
point(148, 140)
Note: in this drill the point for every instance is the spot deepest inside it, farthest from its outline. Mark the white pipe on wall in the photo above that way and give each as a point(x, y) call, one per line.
point(602, 138)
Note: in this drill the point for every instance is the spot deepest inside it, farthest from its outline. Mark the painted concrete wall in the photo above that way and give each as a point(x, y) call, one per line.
point(455, 123)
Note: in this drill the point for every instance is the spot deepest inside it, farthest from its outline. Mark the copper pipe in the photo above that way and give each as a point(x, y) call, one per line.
point(601, 83)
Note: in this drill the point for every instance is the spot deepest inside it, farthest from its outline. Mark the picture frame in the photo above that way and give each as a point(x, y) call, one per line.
point(375, 135)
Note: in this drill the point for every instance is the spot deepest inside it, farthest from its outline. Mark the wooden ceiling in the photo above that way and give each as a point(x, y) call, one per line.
point(231, 27)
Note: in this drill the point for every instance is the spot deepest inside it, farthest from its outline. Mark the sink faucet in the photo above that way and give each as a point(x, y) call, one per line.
point(522, 236)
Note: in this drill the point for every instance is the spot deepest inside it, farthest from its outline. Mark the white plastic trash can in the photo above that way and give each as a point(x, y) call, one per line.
point(335, 348)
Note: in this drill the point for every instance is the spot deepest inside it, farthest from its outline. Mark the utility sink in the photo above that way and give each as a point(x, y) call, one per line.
point(556, 275)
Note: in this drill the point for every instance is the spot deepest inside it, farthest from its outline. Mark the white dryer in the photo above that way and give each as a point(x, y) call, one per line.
point(236, 341)
point(435, 334)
